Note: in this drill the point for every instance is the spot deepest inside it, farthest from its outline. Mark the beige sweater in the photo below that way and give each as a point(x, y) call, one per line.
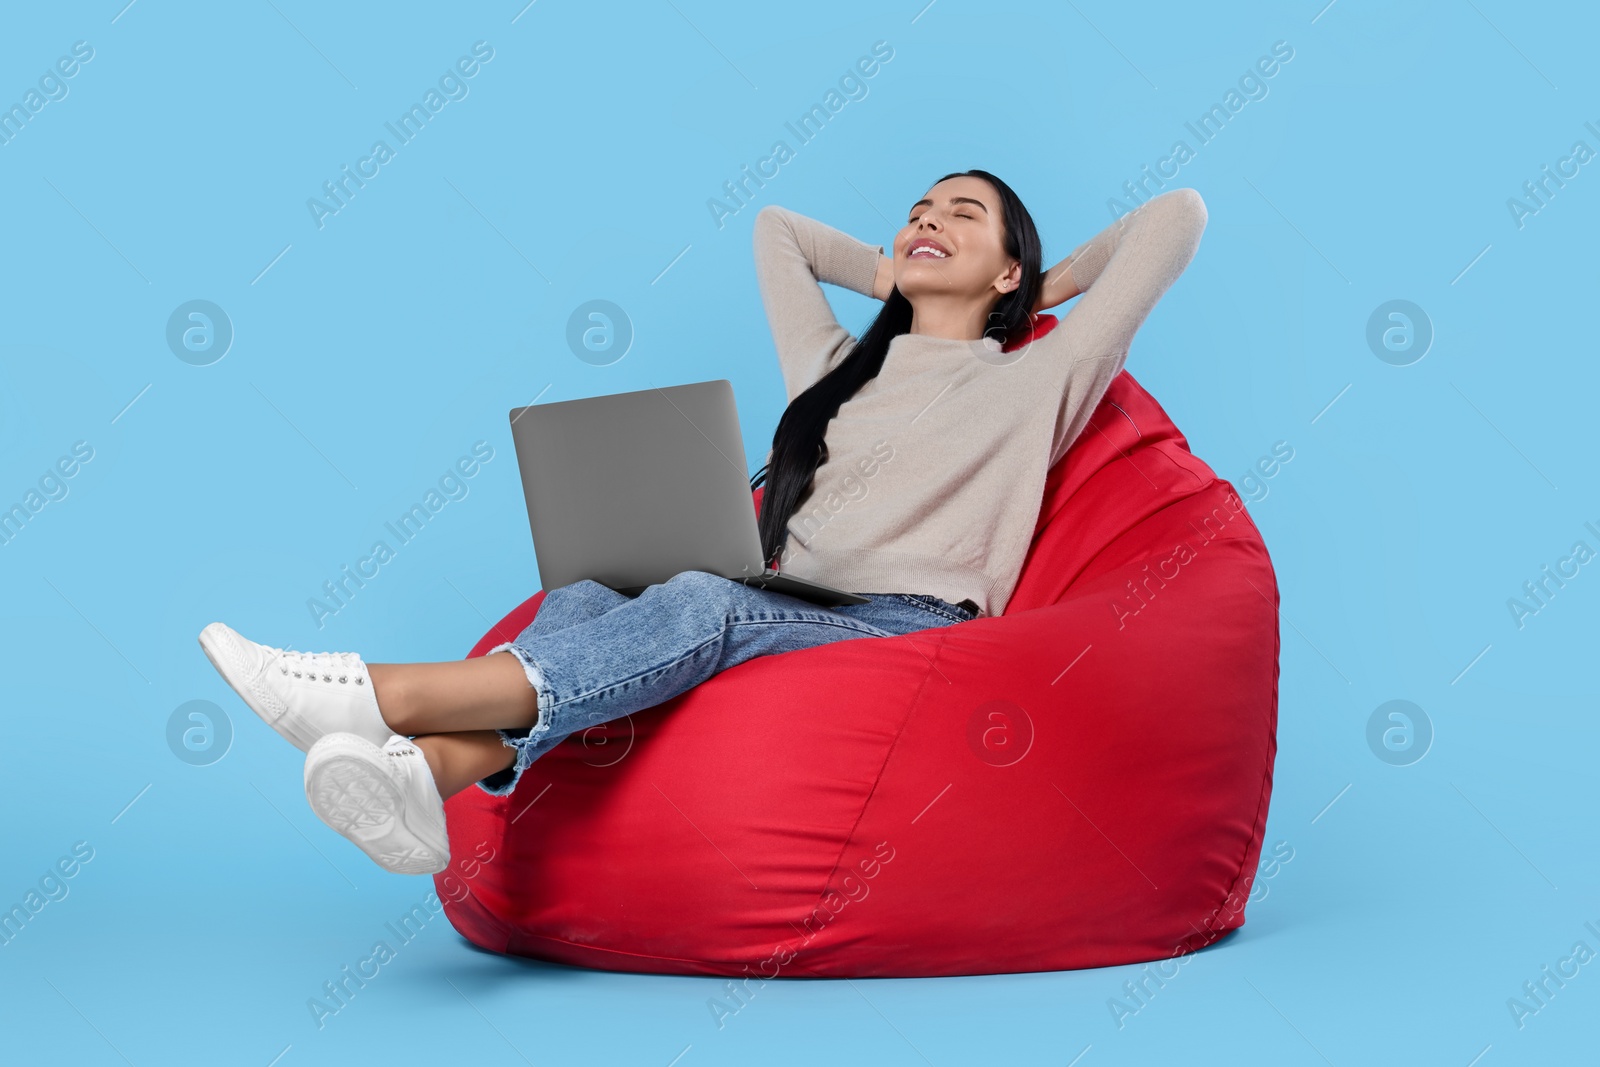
point(936, 467)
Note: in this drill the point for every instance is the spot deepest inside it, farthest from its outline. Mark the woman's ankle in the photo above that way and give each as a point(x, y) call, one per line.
point(389, 691)
point(458, 760)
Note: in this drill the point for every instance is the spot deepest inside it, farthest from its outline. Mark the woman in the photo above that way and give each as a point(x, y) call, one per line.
point(911, 460)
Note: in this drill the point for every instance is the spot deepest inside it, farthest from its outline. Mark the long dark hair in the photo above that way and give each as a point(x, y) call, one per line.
point(798, 445)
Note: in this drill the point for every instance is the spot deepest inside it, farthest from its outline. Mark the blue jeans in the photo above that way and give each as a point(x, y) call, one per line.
point(594, 654)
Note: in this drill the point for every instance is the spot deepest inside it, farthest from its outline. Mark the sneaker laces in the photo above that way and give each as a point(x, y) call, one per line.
point(329, 665)
point(400, 745)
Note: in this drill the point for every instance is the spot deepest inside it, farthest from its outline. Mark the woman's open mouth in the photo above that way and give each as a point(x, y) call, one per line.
point(926, 248)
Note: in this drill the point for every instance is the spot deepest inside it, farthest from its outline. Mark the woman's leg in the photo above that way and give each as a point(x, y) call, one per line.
point(482, 693)
point(459, 759)
point(450, 709)
point(474, 716)
point(670, 638)
point(568, 605)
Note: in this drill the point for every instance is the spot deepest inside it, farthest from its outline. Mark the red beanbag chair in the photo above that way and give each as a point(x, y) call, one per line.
point(1080, 782)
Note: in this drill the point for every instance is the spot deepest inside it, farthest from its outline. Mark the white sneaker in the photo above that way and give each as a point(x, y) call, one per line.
point(302, 695)
point(382, 799)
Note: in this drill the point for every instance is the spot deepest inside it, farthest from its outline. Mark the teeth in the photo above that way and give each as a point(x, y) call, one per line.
point(929, 249)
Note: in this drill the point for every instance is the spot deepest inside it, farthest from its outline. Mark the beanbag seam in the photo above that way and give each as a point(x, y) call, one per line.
point(523, 941)
point(1048, 514)
point(1256, 840)
point(719, 967)
point(1113, 542)
point(1239, 875)
point(911, 707)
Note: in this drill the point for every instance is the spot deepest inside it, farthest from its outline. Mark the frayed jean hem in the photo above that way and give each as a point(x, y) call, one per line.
point(503, 782)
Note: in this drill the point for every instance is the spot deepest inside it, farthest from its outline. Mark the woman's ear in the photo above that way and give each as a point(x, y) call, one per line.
point(1012, 278)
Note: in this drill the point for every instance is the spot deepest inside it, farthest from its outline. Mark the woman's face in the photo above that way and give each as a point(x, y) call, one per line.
point(954, 244)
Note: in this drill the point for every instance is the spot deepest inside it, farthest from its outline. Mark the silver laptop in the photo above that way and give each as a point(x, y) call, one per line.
point(633, 488)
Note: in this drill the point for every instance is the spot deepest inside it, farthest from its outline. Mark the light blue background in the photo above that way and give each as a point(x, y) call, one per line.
point(371, 353)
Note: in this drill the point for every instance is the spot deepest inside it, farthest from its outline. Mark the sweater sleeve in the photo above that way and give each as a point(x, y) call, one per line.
point(793, 254)
point(1123, 271)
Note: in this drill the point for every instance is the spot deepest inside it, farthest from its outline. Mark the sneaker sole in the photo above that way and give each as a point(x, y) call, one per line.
point(362, 803)
point(211, 643)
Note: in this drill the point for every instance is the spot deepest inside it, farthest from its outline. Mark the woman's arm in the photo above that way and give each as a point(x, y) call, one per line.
point(883, 284)
point(793, 254)
point(1183, 210)
point(1123, 271)
point(1057, 285)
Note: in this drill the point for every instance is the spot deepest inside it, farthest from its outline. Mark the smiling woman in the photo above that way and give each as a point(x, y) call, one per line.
point(942, 373)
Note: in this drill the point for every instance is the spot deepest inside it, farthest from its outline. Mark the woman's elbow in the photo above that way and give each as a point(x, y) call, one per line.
point(1190, 206)
point(771, 216)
